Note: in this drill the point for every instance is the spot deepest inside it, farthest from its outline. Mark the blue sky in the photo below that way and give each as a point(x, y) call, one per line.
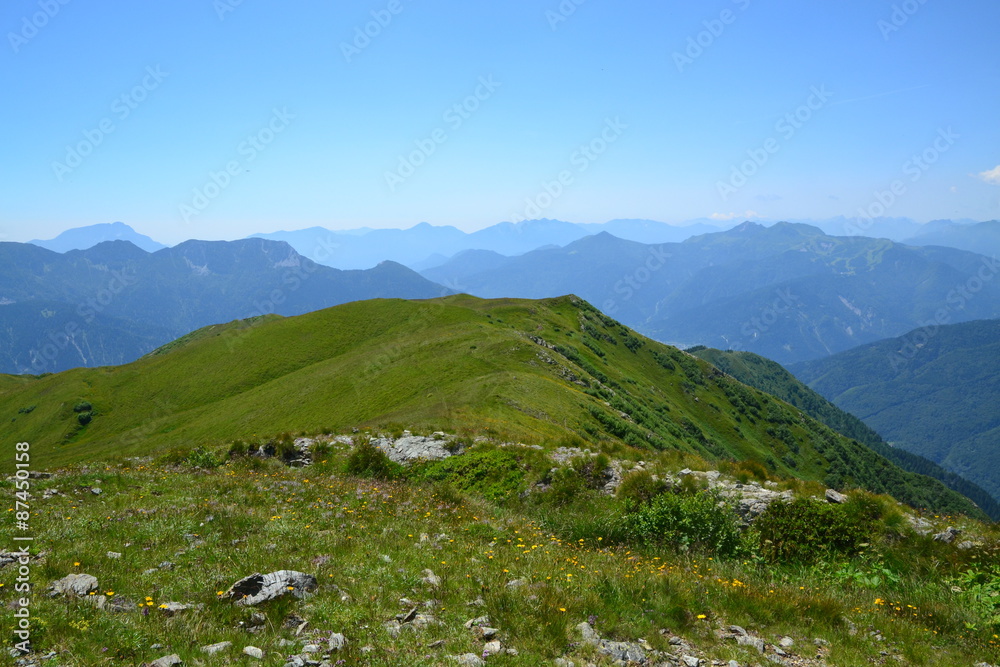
point(244, 117)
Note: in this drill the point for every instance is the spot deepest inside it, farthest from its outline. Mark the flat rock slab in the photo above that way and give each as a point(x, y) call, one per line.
point(413, 447)
point(74, 585)
point(167, 661)
point(258, 588)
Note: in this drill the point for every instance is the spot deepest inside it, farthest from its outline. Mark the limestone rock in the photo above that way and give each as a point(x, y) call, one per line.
point(258, 588)
point(167, 661)
point(835, 497)
point(74, 585)
point(948, 535)
point(212, 649)
point(413, 447)
point(253, 652)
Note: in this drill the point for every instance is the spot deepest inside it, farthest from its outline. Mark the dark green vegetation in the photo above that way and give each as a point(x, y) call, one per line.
point(537, 371)
point(788, 292)
point(934, 392)
point(771, 377)
point(114, 302)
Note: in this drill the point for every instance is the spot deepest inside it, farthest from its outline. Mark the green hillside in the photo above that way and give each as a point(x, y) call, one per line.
point(771, 377)
point(933, 392)
point(536, 371)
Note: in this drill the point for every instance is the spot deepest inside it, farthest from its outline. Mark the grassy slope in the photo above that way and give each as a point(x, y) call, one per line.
point(771, 377)
point(456, 363)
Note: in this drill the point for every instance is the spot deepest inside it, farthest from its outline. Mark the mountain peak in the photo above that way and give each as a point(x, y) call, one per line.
point(82, 238)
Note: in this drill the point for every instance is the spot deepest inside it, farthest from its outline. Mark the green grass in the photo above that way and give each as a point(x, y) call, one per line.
point(362, 539)
point(459, 363)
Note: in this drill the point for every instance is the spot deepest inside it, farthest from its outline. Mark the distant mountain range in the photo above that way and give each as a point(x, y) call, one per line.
point(788, 292)
point(934, 391)
point(82, 238)
point(424, 246)
point(114, 302)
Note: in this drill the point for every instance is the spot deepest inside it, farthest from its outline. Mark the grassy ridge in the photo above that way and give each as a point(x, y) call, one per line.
point(537, 371)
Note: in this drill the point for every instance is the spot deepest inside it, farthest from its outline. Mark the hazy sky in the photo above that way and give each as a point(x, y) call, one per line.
point(194, 118)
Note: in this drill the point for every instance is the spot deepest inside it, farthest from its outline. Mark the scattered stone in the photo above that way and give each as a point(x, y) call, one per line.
point(253, 652)
point(167, 661)
point(738, 630)
point(174, 608)
point(478, 602)
point(516, 583)
point(835, 497)
point(476, 622)
point(114, 554)
point(749, 640)
point(431, 579)
point(166, 565)
point(588, 634)
point(691, 661)
point(392, 628)
point(948, 535)
point(786, 642)
point(312, 648)
point(96, 491)
point(487, 633)
point(492, 648)
point(336, 642)
point(258, 588)
point(563, 662)
point(212, 649)
point(77, 585)
point(468, 660)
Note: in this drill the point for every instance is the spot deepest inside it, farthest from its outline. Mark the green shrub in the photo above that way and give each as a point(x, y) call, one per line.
point(804, 531)
point(687, 522)
point(85, 418)
point(367, 460)
point(83, 406)
point(239, 449)
point(492, 473)
point(638, 489)
point(202, 458)
point(590, 469)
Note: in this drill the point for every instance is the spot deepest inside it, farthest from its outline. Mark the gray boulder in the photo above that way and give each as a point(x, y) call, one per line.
point(77, 585)
point(258, 588)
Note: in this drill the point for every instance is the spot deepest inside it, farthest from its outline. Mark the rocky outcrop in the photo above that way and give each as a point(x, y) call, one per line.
point(413, 447)
point(258, 588)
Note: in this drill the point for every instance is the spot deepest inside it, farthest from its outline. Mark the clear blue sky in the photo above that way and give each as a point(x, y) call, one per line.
point(678, 127)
